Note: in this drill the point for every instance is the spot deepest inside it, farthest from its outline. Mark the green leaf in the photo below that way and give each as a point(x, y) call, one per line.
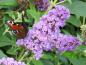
point(80, 37)
point(8, 3)
point(65, 32)
point(37, 62)
point(34, 13)
point(69, 1)
point(70, 55)
point(78, 8)
point(80, 48)
point(12, 51)
point(74, 59)
point(12, 14)
point(74, 21)
point(4, 41)
point(47, 62)
point(42, 62)
point(64, 60)
point(47, 56)
point(69, 29)
point(1, 30)
point(2, 54)
point(78, 61)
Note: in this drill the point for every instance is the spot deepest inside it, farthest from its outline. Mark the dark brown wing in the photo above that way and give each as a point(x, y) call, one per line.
point(21, 33)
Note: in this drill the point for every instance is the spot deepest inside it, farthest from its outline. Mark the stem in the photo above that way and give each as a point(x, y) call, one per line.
point(52, 4)
point(60, 2)
point(83, 20)
point(25, 54)
point(55, 1)
point(30, 59)
point(22, 52)
point(7, 30)
point(1, 25)
point(56, 59)
point(58, 63)
point(50, 7)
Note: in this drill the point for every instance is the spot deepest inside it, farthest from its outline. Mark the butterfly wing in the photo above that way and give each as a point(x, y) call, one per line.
point(20, 29)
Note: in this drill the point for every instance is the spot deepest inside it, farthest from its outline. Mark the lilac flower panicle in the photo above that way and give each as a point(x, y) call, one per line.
point(10, 61)
point(45, 35)
point(42, 5)
point(66, 43)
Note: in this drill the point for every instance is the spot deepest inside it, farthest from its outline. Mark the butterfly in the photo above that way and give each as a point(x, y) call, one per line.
point(19, 29)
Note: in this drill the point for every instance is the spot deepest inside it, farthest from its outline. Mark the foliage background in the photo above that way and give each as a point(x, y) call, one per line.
point(8, 47)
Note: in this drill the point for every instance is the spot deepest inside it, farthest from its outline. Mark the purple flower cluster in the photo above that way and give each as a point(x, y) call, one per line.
point(46, 35)
point(42, 5)
point(10, 61)
point(59, 14)
point(66, 42)
point(84, 42)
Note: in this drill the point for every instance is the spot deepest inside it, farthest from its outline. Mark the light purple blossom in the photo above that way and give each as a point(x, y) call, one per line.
point(59, 14)
point(66, 42)
point(10, 61)
point(42, 5)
